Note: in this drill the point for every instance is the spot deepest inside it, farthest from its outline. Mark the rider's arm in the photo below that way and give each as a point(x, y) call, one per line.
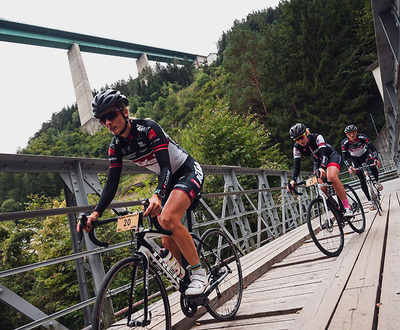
point(110, 189)
point(369, 145)
point(164, 179)
point(297, 160)
point(322, 152)
point(344, 152)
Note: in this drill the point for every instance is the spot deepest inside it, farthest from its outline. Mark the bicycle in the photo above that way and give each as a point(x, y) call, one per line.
point(373, 190)
point(133, 290)
point(325, 218)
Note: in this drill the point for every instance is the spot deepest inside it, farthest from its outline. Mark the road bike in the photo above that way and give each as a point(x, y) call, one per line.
point(325, 218)
point(133, 292)
point(372, 188)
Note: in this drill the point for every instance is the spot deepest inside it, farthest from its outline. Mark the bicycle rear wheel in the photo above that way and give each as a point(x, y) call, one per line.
point(325, 229)
point(219, 257)
point(111, 306)
point(357, 221)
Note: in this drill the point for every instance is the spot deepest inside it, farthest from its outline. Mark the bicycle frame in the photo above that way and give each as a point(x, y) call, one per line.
point(329, 203)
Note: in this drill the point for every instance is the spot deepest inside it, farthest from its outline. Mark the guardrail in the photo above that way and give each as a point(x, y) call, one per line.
point(249, 204)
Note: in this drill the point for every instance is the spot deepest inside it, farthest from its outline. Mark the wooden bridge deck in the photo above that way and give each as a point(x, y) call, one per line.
point(359, 289)
point(290, 284)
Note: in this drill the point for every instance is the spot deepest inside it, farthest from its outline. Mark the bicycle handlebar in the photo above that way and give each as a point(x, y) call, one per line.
point(302, 183)
point(363, 167)
point(83, 221)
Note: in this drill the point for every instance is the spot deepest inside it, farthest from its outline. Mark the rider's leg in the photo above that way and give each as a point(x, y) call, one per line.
point(333, 176)
point(363, 184)
point(170, 218)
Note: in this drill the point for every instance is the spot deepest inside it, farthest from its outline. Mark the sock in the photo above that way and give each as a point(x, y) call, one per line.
point(195, 267)
point(345, 203)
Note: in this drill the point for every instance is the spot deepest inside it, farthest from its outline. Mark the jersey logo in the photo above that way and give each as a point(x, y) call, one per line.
point(151, 134)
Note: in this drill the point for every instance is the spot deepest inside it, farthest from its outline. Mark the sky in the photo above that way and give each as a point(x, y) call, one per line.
point(36, 82)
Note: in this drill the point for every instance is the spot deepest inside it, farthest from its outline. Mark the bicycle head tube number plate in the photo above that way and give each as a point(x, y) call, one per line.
point(127, 222)
point(311, 181)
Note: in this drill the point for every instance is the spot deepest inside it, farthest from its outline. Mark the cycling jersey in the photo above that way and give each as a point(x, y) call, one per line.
point(149, 146)
point(358, 149)
point(317, 149)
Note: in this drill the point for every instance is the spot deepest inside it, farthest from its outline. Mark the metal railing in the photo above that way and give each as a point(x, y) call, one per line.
point(249, 204)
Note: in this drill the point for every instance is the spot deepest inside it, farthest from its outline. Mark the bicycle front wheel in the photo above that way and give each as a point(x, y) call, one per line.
point(325, 229)
point(375, 197)
point(218, 256)
point(111, 308)
point(357, 221)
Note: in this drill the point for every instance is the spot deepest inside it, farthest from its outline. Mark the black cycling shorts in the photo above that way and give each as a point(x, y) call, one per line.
point(188, 178)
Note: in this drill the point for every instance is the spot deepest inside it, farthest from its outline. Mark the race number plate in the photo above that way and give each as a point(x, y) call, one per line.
point(127, 222)
point(311, 181)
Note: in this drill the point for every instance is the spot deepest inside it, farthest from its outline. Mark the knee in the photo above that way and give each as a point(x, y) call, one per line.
point(168, 222)
point(332, 178)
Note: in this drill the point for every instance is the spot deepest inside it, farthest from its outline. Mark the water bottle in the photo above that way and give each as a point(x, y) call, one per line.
point(172, 262)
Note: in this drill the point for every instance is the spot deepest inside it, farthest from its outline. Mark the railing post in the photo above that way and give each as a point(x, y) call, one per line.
point(76, 183)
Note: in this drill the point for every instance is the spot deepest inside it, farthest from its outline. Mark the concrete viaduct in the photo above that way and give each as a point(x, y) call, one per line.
point(76, 43)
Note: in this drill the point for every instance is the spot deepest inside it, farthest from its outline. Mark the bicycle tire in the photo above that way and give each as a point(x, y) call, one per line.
point(114, 293)
point(218, 255)
point(357, 222)
point(329, 238)
point(374, 198)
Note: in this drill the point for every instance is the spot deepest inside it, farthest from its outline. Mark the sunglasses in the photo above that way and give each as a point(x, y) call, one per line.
point(352, 134)
point(109, 116)
point(301, 137)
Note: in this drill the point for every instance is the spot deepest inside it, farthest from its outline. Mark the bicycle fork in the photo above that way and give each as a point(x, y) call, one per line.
point(146, 313)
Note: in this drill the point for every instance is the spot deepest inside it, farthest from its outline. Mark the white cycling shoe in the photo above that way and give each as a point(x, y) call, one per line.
point(371, 206)
point(198, 283)
point(379, 186)
point(348, 212)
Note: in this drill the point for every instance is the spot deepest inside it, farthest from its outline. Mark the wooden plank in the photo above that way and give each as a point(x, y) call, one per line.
point(256, 264)
point(317, 311)
point(269, 322)
point(389, 310)
point(356, 308)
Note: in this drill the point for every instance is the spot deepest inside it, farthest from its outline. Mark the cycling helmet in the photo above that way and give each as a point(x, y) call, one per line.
point(350, 128)
point(297, 130)
point(107, 99)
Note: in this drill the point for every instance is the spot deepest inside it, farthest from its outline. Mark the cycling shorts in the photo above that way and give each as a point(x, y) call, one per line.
point(334, 160)
point(188, 178)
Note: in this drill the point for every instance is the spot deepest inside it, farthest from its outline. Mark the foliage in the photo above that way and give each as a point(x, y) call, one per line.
point(220, 137)
point(308, 65)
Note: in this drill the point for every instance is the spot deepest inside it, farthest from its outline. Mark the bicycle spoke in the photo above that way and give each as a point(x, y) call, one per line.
point(357, 221)
point(324, 228)
point(112, 303)
point(219, 257)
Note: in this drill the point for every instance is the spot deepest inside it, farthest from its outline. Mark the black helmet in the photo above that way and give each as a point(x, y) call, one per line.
point(297, 130)
point(350, 128)
point(107, 99)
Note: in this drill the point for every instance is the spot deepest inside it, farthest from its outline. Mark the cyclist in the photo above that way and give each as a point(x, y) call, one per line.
point(180, 177)
point(325, 158)
point(357, 146)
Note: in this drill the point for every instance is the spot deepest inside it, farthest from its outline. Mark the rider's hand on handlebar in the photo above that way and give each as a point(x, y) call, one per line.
point(321, 174)
point(377, 163)
point(290, 186)
point(154, 207)
point(93, 217)
point(351, 170)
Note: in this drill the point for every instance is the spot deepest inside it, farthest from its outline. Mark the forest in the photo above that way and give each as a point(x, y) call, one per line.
point(303, 61)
